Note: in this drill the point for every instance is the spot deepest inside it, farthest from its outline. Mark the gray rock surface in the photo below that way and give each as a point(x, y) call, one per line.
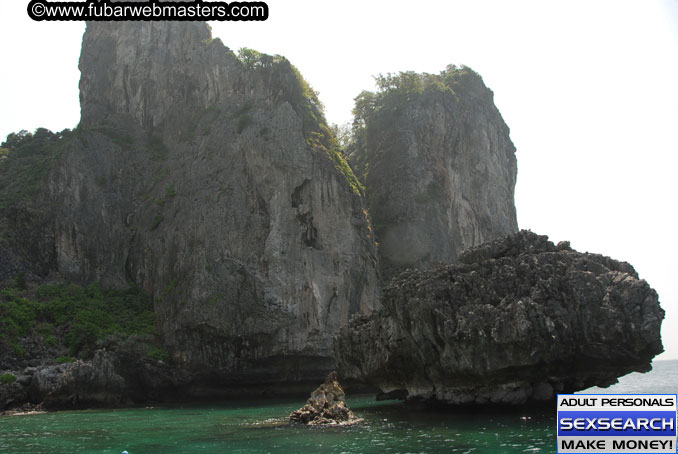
point(79, 384)
point(439, 168)
point(213, 185)
point(109, 379)
point(13, 395)
point(517, 320)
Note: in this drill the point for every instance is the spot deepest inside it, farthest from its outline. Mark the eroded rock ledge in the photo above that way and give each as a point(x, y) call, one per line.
point(109, 379)
point(517, 320)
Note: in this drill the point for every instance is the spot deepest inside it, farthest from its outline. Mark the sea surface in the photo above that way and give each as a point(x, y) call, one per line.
point(260, 427)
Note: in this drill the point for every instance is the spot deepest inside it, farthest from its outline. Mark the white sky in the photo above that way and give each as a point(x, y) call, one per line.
point(588, 88)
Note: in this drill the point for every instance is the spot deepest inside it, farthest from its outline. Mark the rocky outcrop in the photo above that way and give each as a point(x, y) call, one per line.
point(109, 379)
point(215, 185)
point(517, 320)
point(79, 384)
point(14, 395)
point(326, 406)
point(438, 165)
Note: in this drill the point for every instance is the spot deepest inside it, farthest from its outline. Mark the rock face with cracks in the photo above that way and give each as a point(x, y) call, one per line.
point(439, 168)
point(215, 185)
point(327, 405)
point(517, 320)
point(109, 379)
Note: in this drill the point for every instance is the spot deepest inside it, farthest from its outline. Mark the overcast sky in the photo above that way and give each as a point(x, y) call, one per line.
point(588, 88)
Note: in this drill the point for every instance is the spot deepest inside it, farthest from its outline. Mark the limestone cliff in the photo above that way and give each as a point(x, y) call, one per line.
point(517, 320)
point(213, 183)
point(438, 166)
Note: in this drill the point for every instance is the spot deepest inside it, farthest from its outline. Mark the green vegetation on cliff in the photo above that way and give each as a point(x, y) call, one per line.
point(7, 379)
point(378, 111)
point(254, 59)
point(319, 136)
point(75, 317)
point(25, 161)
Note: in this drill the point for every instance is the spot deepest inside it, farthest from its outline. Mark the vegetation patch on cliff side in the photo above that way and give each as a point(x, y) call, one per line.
point(71, 318)
point(375, 113)
point(319, 137)
point(304, 100)
point(25, 161)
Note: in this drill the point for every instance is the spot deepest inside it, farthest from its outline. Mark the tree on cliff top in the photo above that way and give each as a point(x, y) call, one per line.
point(395, 92)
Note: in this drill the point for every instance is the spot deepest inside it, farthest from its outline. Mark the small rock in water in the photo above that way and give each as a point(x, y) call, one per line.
point(327, 405)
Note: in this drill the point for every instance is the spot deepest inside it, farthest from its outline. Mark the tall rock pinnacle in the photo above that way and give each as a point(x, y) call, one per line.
point(438, 165)
point(216, 185)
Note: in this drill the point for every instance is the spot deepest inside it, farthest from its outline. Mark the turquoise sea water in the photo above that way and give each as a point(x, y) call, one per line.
point(260, 427)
